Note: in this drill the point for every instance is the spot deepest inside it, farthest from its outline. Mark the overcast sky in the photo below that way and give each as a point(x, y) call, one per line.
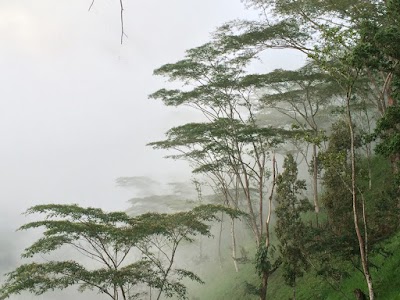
point(74, 110)
point(75, 113)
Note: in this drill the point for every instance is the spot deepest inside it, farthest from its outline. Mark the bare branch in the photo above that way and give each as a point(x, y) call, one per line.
point(91, 5)
point(121, 5)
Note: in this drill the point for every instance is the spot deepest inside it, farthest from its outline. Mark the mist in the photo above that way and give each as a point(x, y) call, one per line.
point(75, 114)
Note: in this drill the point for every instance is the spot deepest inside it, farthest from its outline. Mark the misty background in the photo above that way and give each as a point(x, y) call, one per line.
point(74, 111)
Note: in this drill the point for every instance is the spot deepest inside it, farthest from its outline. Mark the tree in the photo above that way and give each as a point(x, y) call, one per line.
point(290, 229)
point(304, 96)
point(337, 200)
point(230, 148)
point(387, 131)
point(126, 253)
point(338, 241)
point(328, 32)
point(377, 52)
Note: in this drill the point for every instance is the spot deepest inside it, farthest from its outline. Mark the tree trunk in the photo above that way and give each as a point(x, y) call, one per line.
point(265, 274)
point(234, 245)
point(359, 294)
point(394, 160)
point(220, 242)
point(361, 242)
point(264, 286)
point(115, 292)
point(315, 178)
point(270, 198)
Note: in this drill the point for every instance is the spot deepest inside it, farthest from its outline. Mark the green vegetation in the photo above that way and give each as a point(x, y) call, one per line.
point(385, 258)
point(125, 253)
point(341, 104)
point(226, 284)
point(336, 119)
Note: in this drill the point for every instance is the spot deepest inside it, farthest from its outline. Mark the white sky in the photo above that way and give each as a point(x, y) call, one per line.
point(74, 110)
point(75, 113)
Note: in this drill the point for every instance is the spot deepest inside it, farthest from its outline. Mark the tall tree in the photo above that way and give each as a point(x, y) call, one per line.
point(305, 97)
point(378, 52)
point(230, 147)
point(327, 32)
point(290, 229)
point(109, 240)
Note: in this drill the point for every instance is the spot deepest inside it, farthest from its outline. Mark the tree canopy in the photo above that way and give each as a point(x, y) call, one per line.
point(119, 254)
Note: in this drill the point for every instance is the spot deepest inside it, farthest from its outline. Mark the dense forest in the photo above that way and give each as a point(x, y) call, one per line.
point(301, 167)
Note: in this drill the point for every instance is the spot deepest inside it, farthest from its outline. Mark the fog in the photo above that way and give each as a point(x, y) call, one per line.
point(74, 110)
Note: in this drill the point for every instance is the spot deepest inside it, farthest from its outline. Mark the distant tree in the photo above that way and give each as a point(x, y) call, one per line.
point(337, 179)
point(125, 253)
point(290, 229)
point(305, 98)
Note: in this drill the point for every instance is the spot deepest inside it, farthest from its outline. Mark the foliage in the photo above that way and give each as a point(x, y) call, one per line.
point(231, 149)
point(290, 230)
point(353, 59)
point(266, 260)
point(387, 130)
point(112, 241)
point(336, 242)
point(337, 196)
point(223, 284)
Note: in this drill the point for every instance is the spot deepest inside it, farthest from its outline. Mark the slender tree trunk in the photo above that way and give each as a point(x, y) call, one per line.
point(264, 286)
point(315, 183)
point(234, 245)
point(394, 160)
point(265, 274)
point(261, 202)
point(250, 206)
point(115, 292)
point(368, 151)
point(369, 168)
point(270, 198)
point(315, 178)
point(361, 242)
point(220, 242)
point(245, 185)
point(166, 273)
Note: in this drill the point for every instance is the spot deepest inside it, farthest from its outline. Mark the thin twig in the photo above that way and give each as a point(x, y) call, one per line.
point(121, 5)
point(91, 4)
